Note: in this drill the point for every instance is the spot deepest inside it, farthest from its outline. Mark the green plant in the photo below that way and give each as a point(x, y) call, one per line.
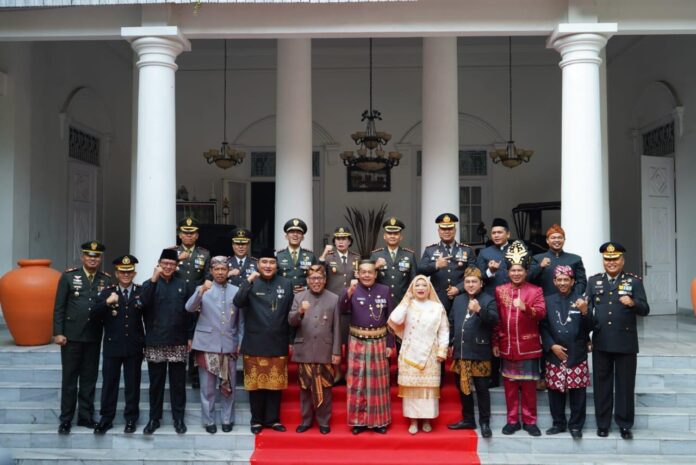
point(366, 227)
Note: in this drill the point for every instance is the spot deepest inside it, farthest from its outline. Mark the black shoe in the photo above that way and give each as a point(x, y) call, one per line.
point(555, 430)
point(358, 429)
point(626, 433)
point(91, 424)
point(510, 428)
point(151, 427)
point(533, 430)
point(576, 433)
point(180, 426)
point(102, 427)
point(130, 427)
point(486, 430)
point(324, 429)
point(303, 428)
point(278, 427)
point(227, 427)
point(256, 429)
point(462, 424)
point(602, 432)
point(212, 429)
point(381, 430)
point(64, 427)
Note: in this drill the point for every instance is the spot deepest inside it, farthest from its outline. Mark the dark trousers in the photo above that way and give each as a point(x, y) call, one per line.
point(483, 398)
point(578, 402)
point(322, 413)
point(265, 406)
point(614, 373)
point(80, 362)
point(111, 376)
point(177, 388)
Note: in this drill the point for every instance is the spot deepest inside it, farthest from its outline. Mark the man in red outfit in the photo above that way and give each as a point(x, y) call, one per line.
point(516, 340)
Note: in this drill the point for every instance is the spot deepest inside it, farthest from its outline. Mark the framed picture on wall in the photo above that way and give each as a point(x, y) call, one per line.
point(368, 181)
point(203, 212)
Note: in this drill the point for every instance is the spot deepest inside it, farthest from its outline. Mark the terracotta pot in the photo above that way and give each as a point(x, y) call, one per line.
point(693, 294)
point(27, 296)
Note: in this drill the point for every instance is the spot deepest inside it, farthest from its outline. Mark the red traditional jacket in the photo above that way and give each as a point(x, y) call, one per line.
point(517, 333)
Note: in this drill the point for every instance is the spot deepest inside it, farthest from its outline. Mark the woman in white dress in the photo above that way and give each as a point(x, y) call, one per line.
point(420, 321)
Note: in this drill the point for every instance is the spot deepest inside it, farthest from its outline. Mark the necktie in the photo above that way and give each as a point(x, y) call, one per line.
point(344, 259)
point(240, 261)
point(294, 257)
point(125, 294)
point(393, 255)
point(90, 277)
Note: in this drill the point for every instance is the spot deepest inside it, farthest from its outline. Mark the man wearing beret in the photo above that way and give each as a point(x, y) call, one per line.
point(120, 310)
point(541, 271)
point(445, 261)
point(615, 298)
point(241, 264)
point(491, 260)
point(396, 265)
point(164, 297)
point(294, 261)
point(266, 299)
point(192, 268)
point(79, 336)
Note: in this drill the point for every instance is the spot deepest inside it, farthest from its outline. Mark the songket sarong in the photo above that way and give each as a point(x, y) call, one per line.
point(469, 369)
point(265, 373)
point(561, 378)
point(367, 382)
point(520, 370)
point(315, 377)
point(218, 365)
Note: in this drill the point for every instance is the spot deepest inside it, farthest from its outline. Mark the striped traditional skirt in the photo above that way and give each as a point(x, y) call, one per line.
point(367, 382)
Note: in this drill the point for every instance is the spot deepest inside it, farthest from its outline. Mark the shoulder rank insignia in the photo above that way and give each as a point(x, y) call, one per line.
point(409, 250)
point(633, 275)
point(70, 270)
point(378, 250)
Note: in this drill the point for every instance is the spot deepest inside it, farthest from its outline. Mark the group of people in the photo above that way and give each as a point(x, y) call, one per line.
point(501, 312)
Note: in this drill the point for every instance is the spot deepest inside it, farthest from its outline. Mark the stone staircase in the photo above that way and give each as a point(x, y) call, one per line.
point(665, 427)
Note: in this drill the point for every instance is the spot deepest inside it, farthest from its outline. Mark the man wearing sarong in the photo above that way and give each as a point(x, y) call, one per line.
point(516, 340)
point(219, 330)
point(367, 379)
point(265, 299)
point(317, 348)
point(565, 333)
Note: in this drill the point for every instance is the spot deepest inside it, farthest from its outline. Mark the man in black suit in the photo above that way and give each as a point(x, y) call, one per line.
point(120, 310)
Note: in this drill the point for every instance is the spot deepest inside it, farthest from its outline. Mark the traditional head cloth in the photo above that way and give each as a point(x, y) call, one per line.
point(219, 260)
point(472, 271)
point(266, 252)
point(563, 270)
point(500, 222)
point(555, 228)
point(432, 295)
point(517, 254)
point(169, 254)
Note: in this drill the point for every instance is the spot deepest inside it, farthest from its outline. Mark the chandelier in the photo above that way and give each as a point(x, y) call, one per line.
point(225, 156)
point(371, 155)
point(510, 156)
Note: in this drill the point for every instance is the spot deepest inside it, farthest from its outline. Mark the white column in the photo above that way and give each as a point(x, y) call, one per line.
point(584, 202)
point(605, 141)
point(154, 213)
point(440, 169)
point(293, 181)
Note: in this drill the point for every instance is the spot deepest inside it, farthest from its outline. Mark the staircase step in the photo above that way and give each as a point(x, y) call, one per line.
point(54, 456)
point(580, 459)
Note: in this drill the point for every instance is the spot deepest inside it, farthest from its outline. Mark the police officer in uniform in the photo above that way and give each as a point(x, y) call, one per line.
point(79, 335)
point(294, 261)
point(241, 264)
point(614, 299)
point(194, 262)
point(120, 310)
point(396, 265)
point(446, 260)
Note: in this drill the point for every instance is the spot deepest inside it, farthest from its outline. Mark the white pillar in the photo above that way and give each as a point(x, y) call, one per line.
point(154, 215)
point(440, 169)
point(584, 202)
point(293, 181)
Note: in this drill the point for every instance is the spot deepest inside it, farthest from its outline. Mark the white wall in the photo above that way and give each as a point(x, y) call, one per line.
point(634, 67)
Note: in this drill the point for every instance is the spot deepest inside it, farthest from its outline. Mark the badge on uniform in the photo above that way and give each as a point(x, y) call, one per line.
point(280, 292)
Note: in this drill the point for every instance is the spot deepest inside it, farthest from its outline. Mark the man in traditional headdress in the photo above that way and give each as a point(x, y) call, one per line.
point(541, 271)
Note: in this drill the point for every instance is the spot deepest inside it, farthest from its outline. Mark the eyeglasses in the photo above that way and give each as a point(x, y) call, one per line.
point(316, 278)
point(168, 264)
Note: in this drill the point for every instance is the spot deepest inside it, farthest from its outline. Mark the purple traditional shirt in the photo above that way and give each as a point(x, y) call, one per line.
point(369, 306)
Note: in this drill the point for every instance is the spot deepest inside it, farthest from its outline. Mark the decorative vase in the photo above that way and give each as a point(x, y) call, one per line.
point(27, 296)
point(693, 294)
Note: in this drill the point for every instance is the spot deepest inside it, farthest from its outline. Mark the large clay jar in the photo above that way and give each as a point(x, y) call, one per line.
point(27, 296)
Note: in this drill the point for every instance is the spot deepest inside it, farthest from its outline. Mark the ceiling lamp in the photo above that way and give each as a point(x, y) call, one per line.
point(225, 156)
point(510, 156)
point(371, 155)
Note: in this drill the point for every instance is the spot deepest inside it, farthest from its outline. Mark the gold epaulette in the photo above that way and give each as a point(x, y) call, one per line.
point(70, 270)
point(107, 274)
point(378, 250)
point(409, 250)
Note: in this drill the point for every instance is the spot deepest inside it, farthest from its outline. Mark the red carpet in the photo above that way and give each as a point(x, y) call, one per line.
point(441, 446)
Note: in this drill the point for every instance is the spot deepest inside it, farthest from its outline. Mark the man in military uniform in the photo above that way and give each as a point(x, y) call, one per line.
point(294, 261)
point(79, 336)
point(614, 299)
point(491, 260)
point(396, 265)
point(192, 268)
point(446, 260)
point(241, 264)
point(120, 310)
point(541, 271)
point(341, 266)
